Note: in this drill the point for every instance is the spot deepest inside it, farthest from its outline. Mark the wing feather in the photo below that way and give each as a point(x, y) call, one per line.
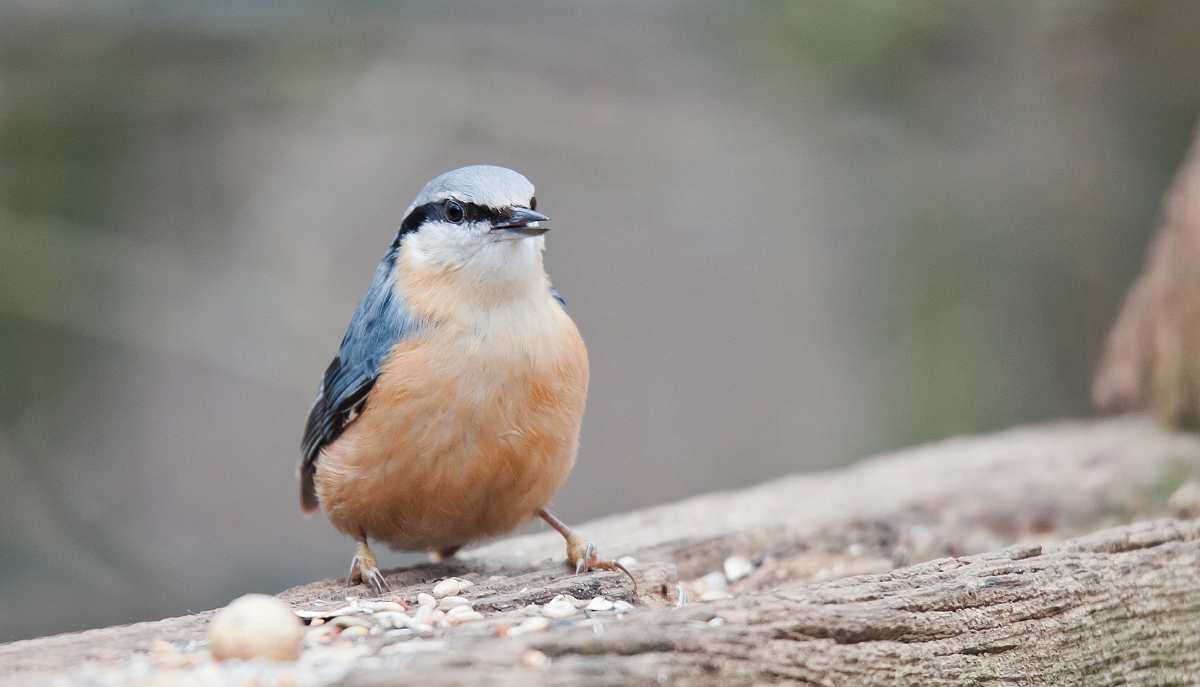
point(380, 321)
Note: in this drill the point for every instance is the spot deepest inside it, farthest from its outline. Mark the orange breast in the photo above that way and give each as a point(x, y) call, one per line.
point(468, 432)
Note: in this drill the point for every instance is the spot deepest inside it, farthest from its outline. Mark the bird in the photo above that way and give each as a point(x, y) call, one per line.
point(451, 412)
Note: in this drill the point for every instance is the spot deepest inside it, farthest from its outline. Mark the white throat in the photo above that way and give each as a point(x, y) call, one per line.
point(455, 275)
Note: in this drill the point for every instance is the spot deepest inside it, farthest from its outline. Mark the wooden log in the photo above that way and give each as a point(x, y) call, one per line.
point(1120, 604)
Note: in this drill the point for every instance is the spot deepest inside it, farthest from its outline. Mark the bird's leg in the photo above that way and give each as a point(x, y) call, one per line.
point(582, 552)
point(363, 568)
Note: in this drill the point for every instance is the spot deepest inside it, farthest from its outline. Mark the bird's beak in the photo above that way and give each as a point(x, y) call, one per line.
point(523, 223)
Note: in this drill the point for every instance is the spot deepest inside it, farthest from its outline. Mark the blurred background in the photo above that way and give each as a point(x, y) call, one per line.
point(793, 234)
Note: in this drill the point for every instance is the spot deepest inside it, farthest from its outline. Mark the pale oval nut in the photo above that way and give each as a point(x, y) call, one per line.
point(713, 580)
point(737, 567)
point(449, 602)
point(384, 607)
point(354, 632)
point(559, 607)
point(627, 561)
point(424, 599)
point(424, 615)
point(348, 621)
point(535, 660)
point(254, 626)
point(462, 614)
point(622, 605)
point(600, 604)
point(450, 586)
point(715, 595)
point(393, 619)
point(319, 635)
point(529, 626)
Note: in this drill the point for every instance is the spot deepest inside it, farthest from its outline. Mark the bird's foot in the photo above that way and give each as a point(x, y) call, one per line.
point(364, 570)
point(582, 553)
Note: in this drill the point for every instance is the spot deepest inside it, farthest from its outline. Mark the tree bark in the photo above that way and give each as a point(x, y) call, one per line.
point(1151, 359)
point(866, 575)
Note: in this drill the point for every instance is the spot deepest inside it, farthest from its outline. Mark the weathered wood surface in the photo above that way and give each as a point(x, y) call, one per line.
point(1119, 607)
point(1017, 615)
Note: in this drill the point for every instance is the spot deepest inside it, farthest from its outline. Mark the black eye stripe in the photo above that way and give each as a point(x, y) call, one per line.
point(413, 221)
point(481, 213)
point(437, 211)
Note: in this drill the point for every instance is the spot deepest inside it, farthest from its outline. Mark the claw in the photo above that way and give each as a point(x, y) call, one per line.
point(375, 578)
point(363, 569)
point(588, 560)
point(583, 554)
point(581, 565)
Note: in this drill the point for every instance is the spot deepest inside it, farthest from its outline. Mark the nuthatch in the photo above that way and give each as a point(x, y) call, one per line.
point(452, 409)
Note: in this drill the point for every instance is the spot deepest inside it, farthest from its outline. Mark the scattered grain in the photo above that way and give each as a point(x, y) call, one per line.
point(713, 580)
point(600, 604)
point(384, 606)
point(348, 621)
point(462, 614)
point(450, 586)
point(393, 619)
point(561, 606)
point(528, 626)
point(354, 632)
point(449, 602)
point(737, 567)
point(535, 660)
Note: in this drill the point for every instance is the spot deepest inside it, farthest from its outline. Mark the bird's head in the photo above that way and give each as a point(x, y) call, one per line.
point(480, 216)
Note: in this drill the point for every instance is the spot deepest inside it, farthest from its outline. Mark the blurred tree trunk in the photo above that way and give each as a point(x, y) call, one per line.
point(1152, 356)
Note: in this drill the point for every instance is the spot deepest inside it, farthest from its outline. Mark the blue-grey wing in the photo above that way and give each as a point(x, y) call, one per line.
point(380, 321)
point(554, 294)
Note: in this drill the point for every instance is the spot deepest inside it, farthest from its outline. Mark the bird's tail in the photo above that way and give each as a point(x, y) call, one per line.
point(308, 489)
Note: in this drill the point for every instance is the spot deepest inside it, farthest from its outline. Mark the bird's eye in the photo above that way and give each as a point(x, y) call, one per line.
point(454, 211)
point(533, 203)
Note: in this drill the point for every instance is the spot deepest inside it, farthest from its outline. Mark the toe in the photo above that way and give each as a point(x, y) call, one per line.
point(376, 579)
point(587, 561)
